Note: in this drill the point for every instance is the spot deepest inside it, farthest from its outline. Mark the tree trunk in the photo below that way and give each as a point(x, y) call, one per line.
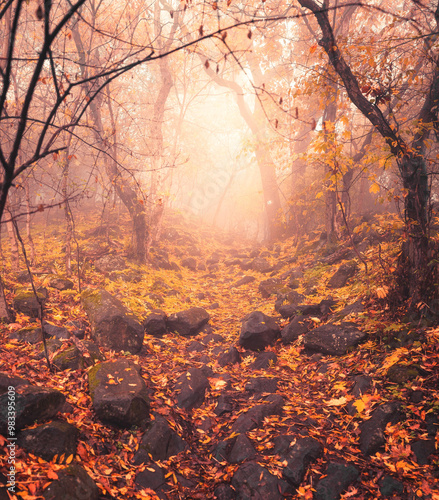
point(125, 192)
point(416, 278)
point(5, 313)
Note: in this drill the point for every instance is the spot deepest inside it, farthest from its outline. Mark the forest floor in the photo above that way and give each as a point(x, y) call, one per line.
point(311, 393)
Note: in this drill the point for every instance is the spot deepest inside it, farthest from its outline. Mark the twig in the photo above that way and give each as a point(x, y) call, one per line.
point(354, 246)
point(40, 302)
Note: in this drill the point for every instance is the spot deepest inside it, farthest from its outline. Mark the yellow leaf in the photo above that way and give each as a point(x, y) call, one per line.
point(359, 405)
point(337, 401)
point(69, 459)
point(374, 188)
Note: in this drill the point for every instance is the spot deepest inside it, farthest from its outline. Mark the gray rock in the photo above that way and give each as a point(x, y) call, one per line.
point(108, 263)
point(113, 326)
point(261, 265)
point(7, 381)
point(189, 322)
point(258, 331)
point(254, 417)
point(245, 280)
point(155, 323)
point(272, 286)
point(26, 303)
point(153, 478)
point(342, 275)
point(389, 485)
point(71, 359)
point(58, 332)
point(264, 360)
point(119, 394)
point(31, 404)
point(190, 263)
point(192, 387)
point(299, 456)
point(224, 405)
point(372, 431)
point(262, 384)
point(242, 450)
point(423, 449)
point(334, 340)
point(61, 283)
point(253, 482)
point(299, 325)
point(224, 492)
point(339, 477)
point(229, 357)
point(160, 441)
point(73, 483)
point(48, 440)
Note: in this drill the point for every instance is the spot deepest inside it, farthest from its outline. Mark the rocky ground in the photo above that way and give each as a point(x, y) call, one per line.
point(220, 370)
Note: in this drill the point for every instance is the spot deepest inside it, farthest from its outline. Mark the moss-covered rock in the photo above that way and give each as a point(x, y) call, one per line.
point(113, 326)
point(25, 301)
point(401, 374)
point(119, 394)
point(70, 359)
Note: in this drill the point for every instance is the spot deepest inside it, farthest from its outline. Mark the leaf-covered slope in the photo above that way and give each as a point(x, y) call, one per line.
point(325, 398)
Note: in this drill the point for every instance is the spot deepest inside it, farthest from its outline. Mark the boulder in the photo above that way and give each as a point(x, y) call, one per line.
point(188, 322)
point(342, 275)
point(261, 265)
point(298, 326)
point(224, 492)
point(245, 280)
point(7, 381)
point(48, 440)
point(258, 331)
point(254, 417)
point(192, 387)
point(389, 485)
point(400, 373)
point(339, 476)
point(73, 483)
point(241, 450)
point(113, 326)
point(26, 303)
point(153, 478)
point(318, 310)
point(29, 334)
point(31, 404)
point(299, 456)
point(119, 394)
point(109, 263)
point(423, 449)
point(261, 385)
point(159, 441)
point(264, 360)
point(225, 404)
point(61, 284)
point(334, 340)
point(372, 437)
point(229, 357)
point(252, 481)
point(155, 323)
point(59, 332)
point(272, 286)
point(71, 359)
point(190, 263)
